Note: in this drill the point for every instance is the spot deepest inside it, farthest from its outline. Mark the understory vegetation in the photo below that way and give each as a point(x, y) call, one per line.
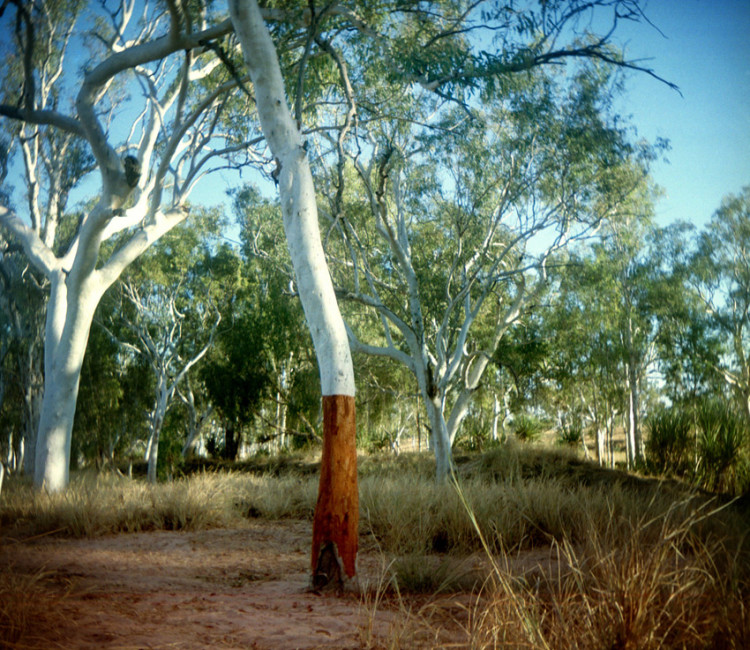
point(630, 561)
point(706, 444)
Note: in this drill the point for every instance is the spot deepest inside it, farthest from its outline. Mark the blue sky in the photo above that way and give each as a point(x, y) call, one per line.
point(704, 47)
point(705, 50)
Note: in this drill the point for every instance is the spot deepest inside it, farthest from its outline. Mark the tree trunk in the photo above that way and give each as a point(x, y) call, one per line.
point(281, 412)
point(335, 525)
point(335, 535)
point(601, 451)
point(635, 440)
point(231, 441)
point(496, 413)
point(152, 453)
point(68, 325)
point(440, 438)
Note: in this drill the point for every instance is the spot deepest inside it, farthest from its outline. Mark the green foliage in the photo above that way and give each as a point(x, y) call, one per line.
point(720, 274)
point(706, 443)
point(671, 442)
point(528, 427)
point(722, 449)
point(100, 432)
point(170, 460)
point(262, 359)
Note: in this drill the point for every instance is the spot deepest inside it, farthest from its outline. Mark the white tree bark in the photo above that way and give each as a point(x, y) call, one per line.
point(79, 277)
point(196, 419)
point(298, 201)
point(336, 521)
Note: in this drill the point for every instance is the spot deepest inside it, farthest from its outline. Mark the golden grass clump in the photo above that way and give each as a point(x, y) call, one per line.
point(23, 599)
point(643, 583)
point(95, 505)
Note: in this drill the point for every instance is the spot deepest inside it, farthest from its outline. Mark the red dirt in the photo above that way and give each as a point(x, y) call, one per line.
point(242, 588)
point(238, 588)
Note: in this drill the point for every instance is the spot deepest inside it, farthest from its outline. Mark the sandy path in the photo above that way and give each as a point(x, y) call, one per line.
point(210, 589)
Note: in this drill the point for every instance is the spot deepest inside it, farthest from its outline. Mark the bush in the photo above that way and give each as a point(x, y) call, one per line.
point(528, 427)
point(570, 434)
point(722, 464)
point(669, 443)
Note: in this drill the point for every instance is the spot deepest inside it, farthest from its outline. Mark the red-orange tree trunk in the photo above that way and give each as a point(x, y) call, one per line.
point(336, 524)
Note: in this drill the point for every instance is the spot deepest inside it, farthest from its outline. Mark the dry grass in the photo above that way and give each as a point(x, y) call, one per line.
point(22, 598)
point(648, 583)
point(637, 563)
point(95, 505)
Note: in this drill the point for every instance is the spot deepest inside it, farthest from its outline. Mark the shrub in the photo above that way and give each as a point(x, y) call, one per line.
point(722, 432)
point(669, 442)
point(570, 434)
point(528, 427)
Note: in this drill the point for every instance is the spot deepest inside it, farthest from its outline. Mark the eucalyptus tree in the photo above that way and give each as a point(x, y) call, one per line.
point(171, 317)
point(618, 299)
point(148, 157)
point(51, 165)
point(398, 50)
point(335, 526)
point(459, 220)
point(632, 270)
point(584, 339)
point(721, 276)
point(689, 347)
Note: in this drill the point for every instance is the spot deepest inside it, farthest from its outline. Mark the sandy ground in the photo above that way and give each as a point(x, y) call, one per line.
point(243, 588)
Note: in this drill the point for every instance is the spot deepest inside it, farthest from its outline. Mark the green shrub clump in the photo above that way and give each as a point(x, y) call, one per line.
point(706, 444)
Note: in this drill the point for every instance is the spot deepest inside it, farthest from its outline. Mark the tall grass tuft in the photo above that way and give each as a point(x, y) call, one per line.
point(722, 434)
point(22, 599)
point(519, 501)
point(647, 582)
point(669, 447)
point(528, 427)
point(95, 505)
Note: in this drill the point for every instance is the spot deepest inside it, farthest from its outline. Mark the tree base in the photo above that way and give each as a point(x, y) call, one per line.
point(329, 575)
point(336, 523)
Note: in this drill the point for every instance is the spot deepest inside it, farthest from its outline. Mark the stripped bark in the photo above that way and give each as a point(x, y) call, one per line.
point(337, 510)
